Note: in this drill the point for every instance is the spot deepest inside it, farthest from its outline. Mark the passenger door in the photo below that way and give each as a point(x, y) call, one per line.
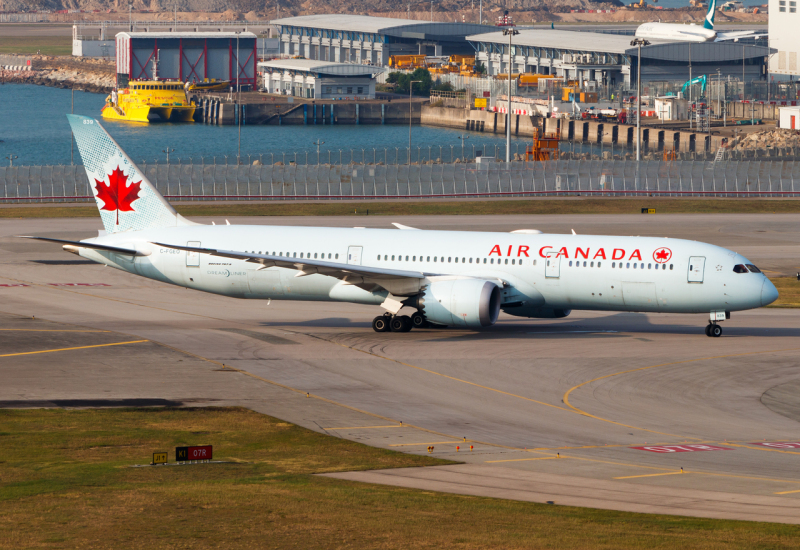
point(354, 255)
point(193, 258)
point(697, 266)
point(552, 266)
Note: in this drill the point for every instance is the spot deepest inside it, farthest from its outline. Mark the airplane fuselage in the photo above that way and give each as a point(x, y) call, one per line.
point(539, 273)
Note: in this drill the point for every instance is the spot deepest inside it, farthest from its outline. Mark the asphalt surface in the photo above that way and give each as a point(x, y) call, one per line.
point(542, 410)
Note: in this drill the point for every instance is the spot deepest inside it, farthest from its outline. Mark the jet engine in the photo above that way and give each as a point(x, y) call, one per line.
point(472, 303)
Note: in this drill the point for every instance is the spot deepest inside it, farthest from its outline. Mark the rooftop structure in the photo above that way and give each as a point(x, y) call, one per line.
point(319, 79)
point(344, 38)
point(610, 60)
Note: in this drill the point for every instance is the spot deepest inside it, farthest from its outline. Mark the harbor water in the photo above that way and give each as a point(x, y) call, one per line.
point(34, 129)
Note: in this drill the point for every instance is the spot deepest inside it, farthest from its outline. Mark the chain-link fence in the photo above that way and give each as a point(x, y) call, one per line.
point(368, 181)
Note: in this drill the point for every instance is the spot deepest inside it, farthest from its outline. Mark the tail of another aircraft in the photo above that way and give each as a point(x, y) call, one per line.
point(125, 197)
point(712, 8)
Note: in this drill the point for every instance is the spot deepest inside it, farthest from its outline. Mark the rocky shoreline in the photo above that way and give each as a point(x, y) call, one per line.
point(60, 78)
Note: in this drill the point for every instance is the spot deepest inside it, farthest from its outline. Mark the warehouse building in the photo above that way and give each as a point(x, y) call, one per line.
point(342, 38)
point(784, 20)
point(319, 79)
point(610, 60)
point(187, 56)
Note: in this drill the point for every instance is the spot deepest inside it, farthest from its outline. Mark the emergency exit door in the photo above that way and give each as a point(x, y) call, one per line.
point(697, 265)
point(552, 266)
point(354, 255)
point(193, 258)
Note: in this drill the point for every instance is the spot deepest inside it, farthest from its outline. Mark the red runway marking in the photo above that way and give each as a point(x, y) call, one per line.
point(688, 448)
point(10, 285)
point(78, 284)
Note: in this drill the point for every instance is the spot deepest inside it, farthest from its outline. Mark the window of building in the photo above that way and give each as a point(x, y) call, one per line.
point(360, 90)
point(349, 89)
point(782, 6)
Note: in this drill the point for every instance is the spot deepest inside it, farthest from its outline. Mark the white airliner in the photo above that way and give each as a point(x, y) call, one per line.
point(461, 279)
point(692, 33)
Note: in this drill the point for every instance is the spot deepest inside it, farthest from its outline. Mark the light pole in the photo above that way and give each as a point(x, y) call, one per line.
point(11, 158)
point(168, 151)
point(462, 138)
point(510, 33)
point(318, 143)
point(639, 42)
point(410, 88)
point(238, 101)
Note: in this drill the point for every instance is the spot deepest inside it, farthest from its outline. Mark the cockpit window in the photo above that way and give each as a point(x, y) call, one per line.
point(739, 268)
point(753, 268)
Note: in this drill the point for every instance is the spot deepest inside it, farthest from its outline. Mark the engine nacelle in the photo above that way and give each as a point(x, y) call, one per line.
point(472, 303)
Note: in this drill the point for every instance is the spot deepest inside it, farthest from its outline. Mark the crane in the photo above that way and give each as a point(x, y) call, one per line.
point(699, 80)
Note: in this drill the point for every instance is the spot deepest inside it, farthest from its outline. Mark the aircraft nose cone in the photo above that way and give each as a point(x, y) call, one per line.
point(768, 293)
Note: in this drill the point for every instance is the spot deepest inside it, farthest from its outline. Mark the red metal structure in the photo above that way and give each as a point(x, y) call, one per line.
point(188, 56)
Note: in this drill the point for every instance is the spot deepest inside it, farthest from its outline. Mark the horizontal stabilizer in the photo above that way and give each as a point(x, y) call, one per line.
point(94, 246)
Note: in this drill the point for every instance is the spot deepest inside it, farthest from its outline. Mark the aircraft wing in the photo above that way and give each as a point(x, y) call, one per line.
point(736, 35)
point(398, 282)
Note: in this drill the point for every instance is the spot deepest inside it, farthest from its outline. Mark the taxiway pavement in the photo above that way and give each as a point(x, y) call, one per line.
point(537, 408)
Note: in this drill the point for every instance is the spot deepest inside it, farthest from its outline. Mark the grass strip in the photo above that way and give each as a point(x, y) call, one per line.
point(447, 208)
point(65, 482)
point(788, 290)
point(30, 45)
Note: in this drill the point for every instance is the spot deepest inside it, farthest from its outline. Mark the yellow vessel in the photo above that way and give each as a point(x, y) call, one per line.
point(146, 100)
point(212, 85)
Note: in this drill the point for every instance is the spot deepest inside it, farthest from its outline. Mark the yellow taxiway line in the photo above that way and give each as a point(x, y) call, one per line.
point(72, 349)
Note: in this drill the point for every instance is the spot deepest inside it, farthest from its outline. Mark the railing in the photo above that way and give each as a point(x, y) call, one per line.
point(198, 182)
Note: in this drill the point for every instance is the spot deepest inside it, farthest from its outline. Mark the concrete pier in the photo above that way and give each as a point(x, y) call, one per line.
point(584, 131)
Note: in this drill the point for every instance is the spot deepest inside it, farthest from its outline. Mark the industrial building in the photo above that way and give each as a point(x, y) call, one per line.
point(187, 56)
point(319, 79)
point(610, 60)
point(363, 39)
point(784, 20)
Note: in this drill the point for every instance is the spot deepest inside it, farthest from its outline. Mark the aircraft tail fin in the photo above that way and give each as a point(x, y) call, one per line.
point(709, 22)
point(126, 199)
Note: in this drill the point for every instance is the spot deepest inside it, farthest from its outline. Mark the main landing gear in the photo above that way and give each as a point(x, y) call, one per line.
point(394, 323)
point(398, 323)
point(714, 330)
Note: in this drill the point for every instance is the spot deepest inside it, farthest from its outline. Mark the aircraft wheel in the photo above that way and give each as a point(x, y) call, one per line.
point(716, 331)
point(400, 323)
point(708, 330)
point(380, 324)
point(419, 320)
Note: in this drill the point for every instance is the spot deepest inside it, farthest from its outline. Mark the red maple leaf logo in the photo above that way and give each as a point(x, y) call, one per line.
point(662, 255)
point(116, 196)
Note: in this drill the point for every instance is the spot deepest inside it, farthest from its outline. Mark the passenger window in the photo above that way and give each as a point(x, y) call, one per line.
point(592, 264)
point(315, 255)
point(506, 261)
point(634, 265)
point(512, 262)
point(570, 263)
point(337, 256)
point(753, 268)
point(599, 264)
point(670, 267)
point(470, 260)
point(448, 260)
point(385, 257)
point(413, 258)
point(463, 260)
point(379, 257)
point(642, 266)
point(484, 260)
point(534, 262)
point(434, 258)
point(649, 266)
point(584, 264)
point(392, 257)
point(406, 258)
